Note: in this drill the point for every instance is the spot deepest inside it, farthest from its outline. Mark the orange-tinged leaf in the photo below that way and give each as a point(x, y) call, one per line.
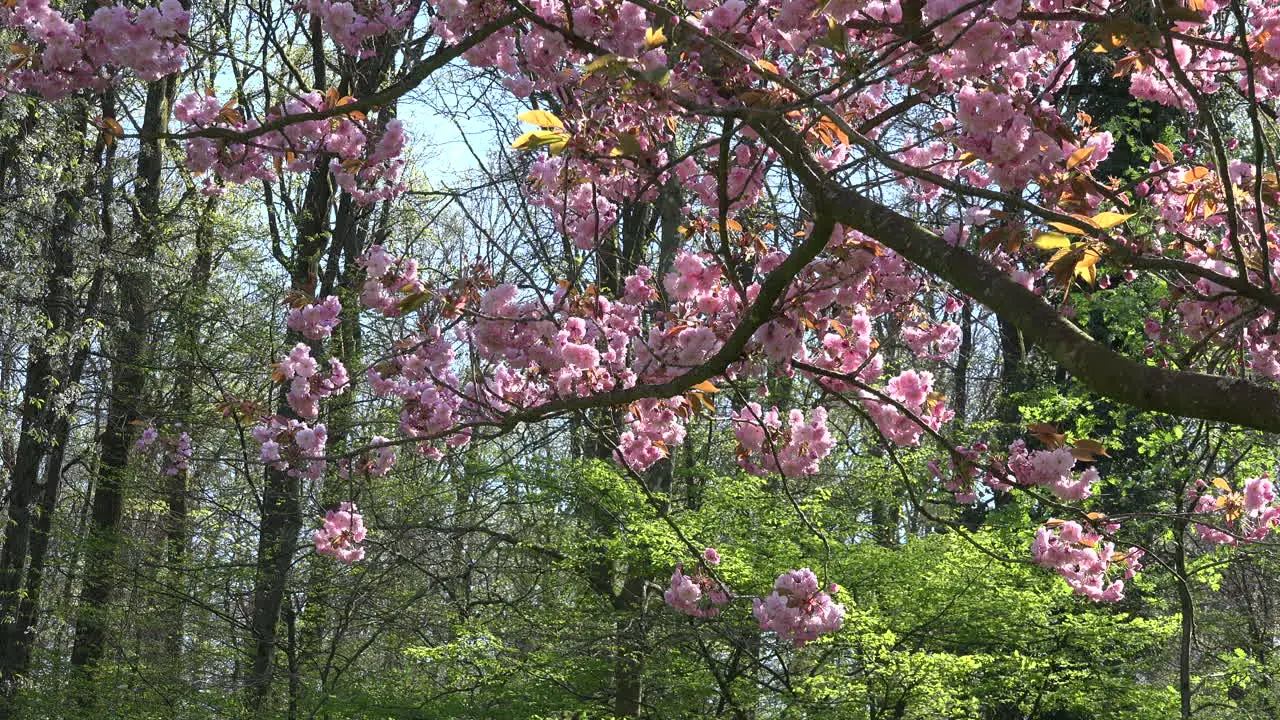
point(1108, 220)
point(1047, 434)
point(1164, 153)
point(766, 65)
point(523, 142)
point(554, 140)
point(541, 118)
point(414, 301)
point(1088, 450)
point(706, 386)
point(604, 62)
point(1080, 155)
point(995, 238)
point(1086, 267)
point(836, 130)
point(653, 37)
point(1189, 210)
point(628, 145)
point(1128, 65)
point(1221, 484)
point(1198, 172)
point(1051, 240)
point(1066, 228)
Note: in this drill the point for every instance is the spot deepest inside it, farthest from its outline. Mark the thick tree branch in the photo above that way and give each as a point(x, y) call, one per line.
point(1097, 366)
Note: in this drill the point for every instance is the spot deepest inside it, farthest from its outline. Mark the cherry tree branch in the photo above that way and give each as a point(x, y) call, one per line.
point(1094, 364)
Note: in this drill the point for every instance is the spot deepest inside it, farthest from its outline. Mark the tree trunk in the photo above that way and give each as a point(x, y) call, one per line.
point(281, 510)
point(175, 521)
point(128, 382)
point(38, 421)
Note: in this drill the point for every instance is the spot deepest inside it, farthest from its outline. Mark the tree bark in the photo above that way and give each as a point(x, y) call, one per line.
point(1097, 366)
point(128, 382)
point(281, 509)
point(40, 424)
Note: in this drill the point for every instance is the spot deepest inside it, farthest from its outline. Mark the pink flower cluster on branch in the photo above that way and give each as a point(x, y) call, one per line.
point(60, 56)
point(1236, 517)
point(177, 451)
point(793, 451)
point(341, 534)
point(292, 446)
point(1085, 559)
point(316, 320)
point(365, 162)
point(924, 410)
point(307, 385)
point(797, 611)
point(699, 595)
point(352, 25)
point(1052, 469)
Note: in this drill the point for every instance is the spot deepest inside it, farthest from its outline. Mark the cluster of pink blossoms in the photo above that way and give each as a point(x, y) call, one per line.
point(179, 458)
point(1085, 559)
point(531, 350)
point(792, 452)
point(341, 534)
point(307, 385)
point(177, 451)
point(67, 56)
point(1237, 517)
point(384, 456)
point(352, 25)
point(914, 392)
point(369, 170)
point(292, 446)
point(149, 435)
point(654, 427)
point(377, 464)
point(965, 474)
point(797, 611)
point(316, 320)
point(1052, 469)
point(390, 280)
point(428, 390)
point(698, 595)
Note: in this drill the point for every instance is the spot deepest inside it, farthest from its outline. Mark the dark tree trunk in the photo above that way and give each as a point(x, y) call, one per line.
point(176, 485)
point(281, 509)
point(39, 425)
point(128, 382)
